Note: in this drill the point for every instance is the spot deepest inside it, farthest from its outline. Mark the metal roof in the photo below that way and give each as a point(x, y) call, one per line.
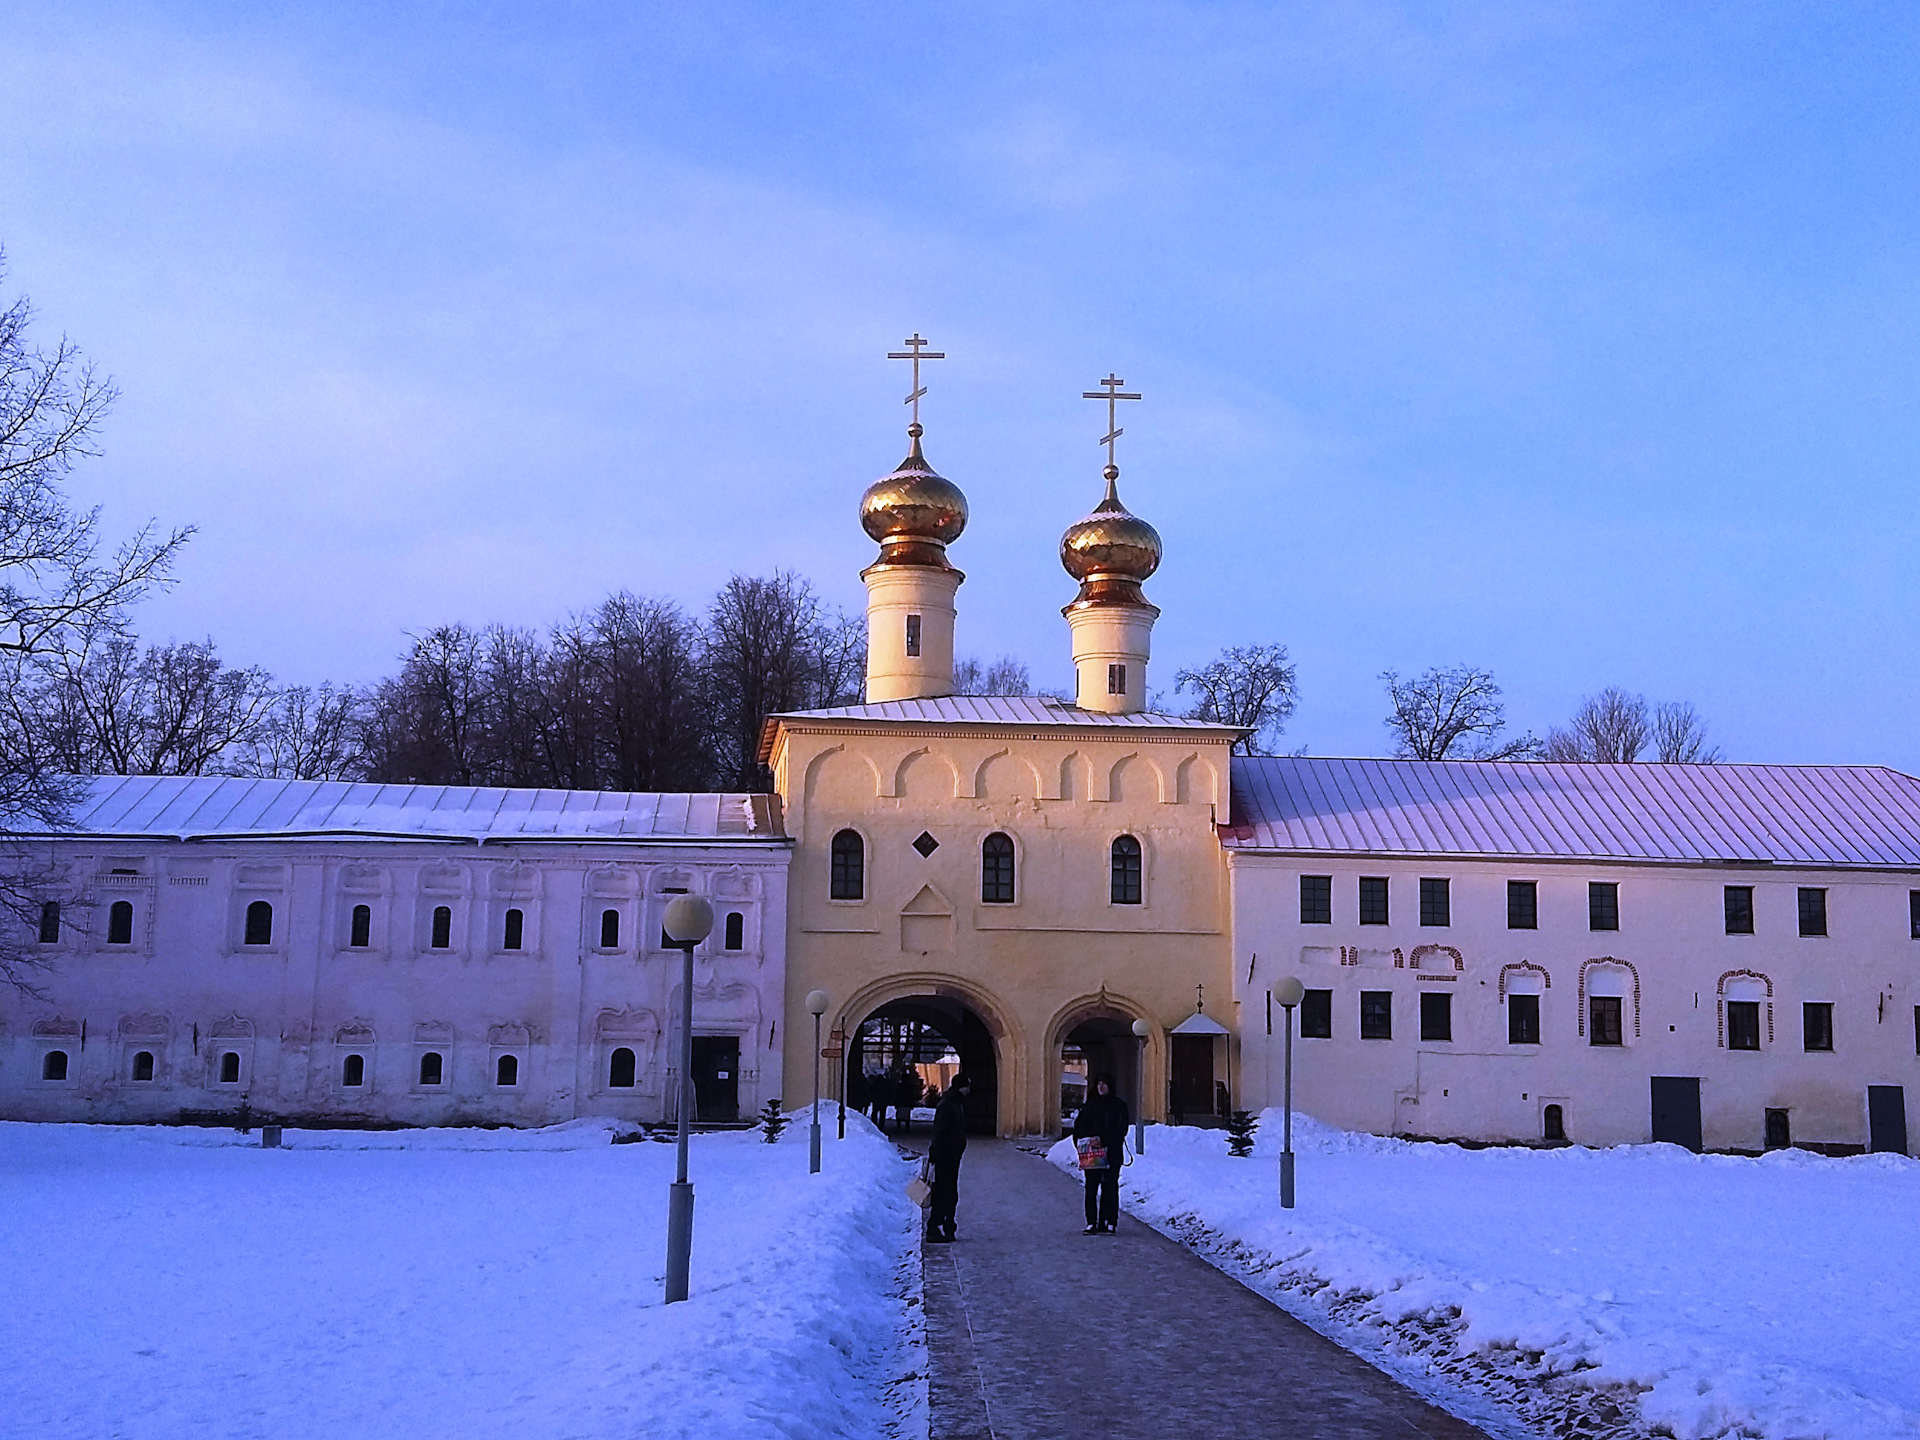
point(1825, 815)
point(188, 807)
point(1005, 710)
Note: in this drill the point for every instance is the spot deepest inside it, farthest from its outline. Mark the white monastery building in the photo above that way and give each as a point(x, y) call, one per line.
point(1724, 956)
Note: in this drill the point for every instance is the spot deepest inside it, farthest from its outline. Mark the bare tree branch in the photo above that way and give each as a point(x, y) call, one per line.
point(1250, 685)
point(1452, 713)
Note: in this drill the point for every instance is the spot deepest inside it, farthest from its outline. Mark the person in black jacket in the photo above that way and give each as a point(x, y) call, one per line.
point(949, 1143)
point(1104, 1116)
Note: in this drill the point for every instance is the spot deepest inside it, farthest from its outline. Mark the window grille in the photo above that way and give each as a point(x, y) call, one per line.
point(996, 870)
point(1813, 911)
point(1523, 1019)
point(1523, 905)
point(913, 634)
point(1603, 1020)
point(1743, 1024)
point(1376, 1014)
point(1436, 902)
point(1124, 888)
point(1816, 1024)
point(849, 874)
point(1373, 900)
point(1316, 899)
point(1316, 1015)
point(1739, 909)
point(1603, 905)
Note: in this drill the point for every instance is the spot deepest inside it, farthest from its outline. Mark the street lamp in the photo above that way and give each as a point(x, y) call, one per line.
point(1289, 992)
point(688, 921)
point(817, 1002)
point(1141, 1030)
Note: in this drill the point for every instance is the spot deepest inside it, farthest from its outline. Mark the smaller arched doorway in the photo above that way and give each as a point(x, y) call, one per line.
point(1102, 1044)
point(929, 1039)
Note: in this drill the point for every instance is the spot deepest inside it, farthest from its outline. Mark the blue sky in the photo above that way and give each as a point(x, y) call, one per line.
point(1578, 342)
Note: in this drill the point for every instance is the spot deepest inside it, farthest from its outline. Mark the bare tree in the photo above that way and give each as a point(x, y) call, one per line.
point(643, 658)
point(1005, 676)
point(424, 724)
point(1680, 736)
point(1249, 685)
point(1451, 713)
point(1610, 728)
point(308, 734)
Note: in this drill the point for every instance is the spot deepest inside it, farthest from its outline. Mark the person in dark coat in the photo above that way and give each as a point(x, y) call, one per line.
point(907, 1092)
point(880, 1092)
point(949, 1144)
point(1104, 1116)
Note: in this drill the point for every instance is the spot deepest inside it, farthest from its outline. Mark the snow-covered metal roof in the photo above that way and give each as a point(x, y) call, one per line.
point(1825, 815)
point(185, 807)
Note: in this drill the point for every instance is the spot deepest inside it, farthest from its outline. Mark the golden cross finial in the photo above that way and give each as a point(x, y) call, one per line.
point(916, 351)
point(1113, 394)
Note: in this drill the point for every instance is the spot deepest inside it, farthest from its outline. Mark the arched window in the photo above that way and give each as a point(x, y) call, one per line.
point(849, 875)
point(996, 870)
point(54, 1067)
point(50, 923)
point(259, 923)
point(431, 1067)
point(143, 1065)
point(620, 1070)
point(609, 929)
point(1553, 1123)
point(120, 923)
point(353, 1071)
point(736, 938)
point(516, 928)
point(1126, 871)
point(230, 1068)
point(361, 931)
point(442, 928)
point(506, 1070)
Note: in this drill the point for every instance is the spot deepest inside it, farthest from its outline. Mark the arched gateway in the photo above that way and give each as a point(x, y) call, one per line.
point(935, 1027)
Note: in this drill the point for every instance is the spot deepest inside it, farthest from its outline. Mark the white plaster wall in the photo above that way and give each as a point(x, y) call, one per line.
point(189, 990)
point(1672, 933)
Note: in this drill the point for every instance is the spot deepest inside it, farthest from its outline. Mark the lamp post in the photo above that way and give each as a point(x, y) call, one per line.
point(817, 1002)
point(1141, 1030)
point(839, 1039)
point(1289, 992)
point(688, 921)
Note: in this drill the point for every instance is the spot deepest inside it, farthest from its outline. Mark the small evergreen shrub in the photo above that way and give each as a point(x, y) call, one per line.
point(772, 1122)
point(1240, 1125)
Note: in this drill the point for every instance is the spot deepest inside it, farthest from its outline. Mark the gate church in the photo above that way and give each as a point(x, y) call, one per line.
point(1719, 955)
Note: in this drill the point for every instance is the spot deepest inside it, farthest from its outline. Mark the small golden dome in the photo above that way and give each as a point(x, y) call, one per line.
point(1111, 542)
point(912, 506)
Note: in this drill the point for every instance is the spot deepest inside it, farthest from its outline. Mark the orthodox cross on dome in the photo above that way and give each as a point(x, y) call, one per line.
point(1113, 394)
point(916, 351)
point(1199, 991)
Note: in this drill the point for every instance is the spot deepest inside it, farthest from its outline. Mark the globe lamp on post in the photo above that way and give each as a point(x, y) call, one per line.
point(1141, 1030)
point(817, 1003)
point(688, 921)
point(1289, 992)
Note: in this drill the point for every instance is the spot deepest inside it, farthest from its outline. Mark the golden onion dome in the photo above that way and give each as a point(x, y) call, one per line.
point(911, 507)
point(1112, 542)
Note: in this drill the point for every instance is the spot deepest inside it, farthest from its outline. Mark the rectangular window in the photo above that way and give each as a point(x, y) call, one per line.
point(1316, 899)
point(913, 634)
point(1913, 912)
point(1816, 1024)
point(1603, 905)
point(1523, 905)
point(1743, 1024)
point(1916, 1029)
point(1116, 679)
point(1376, 1014)
point(1436, 904)
point(1523, 1019)
point(1436, 1016)
point(1779, 1131)
point(1316, 1015)
point(1373, 899)
point(1813, 911)
point(50, 922)
point(1603, 1020)
point(1739, 909)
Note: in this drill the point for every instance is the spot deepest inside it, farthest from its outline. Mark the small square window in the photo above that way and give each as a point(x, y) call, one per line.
point(1436, 902)
point(1816, 1024)
point(1813, 911)
point(1316, 899)
point(925, 844)
point(1603, 905)
point(1743, 1024)
point(1316, 1015)
point(1523, 1019)
point(1373, 899)
point(1603, 1020)
point(1376, 1014)
point(1739, 909)
point(1523, 905)
point(1436, 1016)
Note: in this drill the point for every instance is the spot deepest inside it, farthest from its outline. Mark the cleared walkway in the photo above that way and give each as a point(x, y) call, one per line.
point(1037, 1332)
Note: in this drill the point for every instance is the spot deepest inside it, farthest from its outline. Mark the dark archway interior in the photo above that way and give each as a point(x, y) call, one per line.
point(1106, 1045)
point(923, 1030)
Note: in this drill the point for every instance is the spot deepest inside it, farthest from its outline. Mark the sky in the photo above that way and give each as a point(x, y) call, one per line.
point(1577, 342)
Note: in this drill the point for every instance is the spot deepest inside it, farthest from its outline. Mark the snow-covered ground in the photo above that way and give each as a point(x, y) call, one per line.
point(1777, 1297)
point(163, 1283)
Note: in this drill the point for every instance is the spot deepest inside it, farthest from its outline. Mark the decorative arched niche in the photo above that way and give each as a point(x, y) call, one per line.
point(1605, 976)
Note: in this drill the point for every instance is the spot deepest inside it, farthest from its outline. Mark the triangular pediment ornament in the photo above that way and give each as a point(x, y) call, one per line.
point(928, 901)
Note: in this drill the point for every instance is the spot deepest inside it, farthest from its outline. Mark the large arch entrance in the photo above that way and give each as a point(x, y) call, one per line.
point(925, 1040)
point(1092, 1037)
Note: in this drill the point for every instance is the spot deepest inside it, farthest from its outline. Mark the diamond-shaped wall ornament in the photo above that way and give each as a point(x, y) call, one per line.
point(926, 844)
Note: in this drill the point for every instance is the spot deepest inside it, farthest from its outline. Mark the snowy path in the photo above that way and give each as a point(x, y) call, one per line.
point(1038, 1332)
point(164, 1283)
point(1775, 1297)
